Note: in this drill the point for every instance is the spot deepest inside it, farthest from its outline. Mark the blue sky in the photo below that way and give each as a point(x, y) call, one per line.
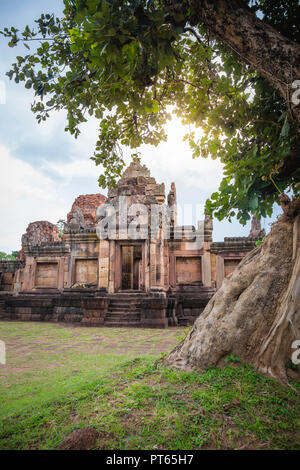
point(43, 169)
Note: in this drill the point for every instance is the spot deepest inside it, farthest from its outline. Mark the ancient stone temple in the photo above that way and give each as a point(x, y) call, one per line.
point(120, 261)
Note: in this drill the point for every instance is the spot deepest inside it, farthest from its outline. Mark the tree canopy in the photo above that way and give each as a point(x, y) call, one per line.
point(132, 64)
point(6, 257)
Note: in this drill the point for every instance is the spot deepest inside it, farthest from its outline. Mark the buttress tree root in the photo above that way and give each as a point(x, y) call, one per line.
point(256, 312)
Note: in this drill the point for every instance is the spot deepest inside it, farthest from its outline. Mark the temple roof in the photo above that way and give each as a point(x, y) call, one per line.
point(134, 170)
point(137, 183)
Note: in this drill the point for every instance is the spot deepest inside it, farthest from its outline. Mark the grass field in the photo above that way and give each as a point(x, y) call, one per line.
point(60, 378)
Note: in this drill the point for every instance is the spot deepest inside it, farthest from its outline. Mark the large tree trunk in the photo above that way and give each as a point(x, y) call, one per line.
point(256, 312)
point(275, 57)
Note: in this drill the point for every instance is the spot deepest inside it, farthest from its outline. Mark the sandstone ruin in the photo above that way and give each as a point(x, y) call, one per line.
point(146, 282)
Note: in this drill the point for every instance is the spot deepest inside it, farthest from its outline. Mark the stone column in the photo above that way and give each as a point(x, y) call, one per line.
point(166, 265)
point(71, 273)
point(220, 270)
point(103, 264)
point(27, 273)
point(32, 275)
point(159, 278)
point(146, 257)
point(172, 269)
point(206, 270)
point(118, 267)
point(152, 264)
point(61, 273)
point(112, 267)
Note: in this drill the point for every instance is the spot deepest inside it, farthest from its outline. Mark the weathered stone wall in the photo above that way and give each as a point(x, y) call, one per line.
point(86, 271)
point(154, 312)
point(225, 256)
point(37, 234)
point(40, 232)
point(188, 269)
point(46, 275)
point(8, 269)
point(70, 307)
point(186, 303)
point(86, 205)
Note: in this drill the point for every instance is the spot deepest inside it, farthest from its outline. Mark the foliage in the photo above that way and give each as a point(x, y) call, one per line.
point(132, 64)
point(233, 358)
point(259, 242)
point(60, 224)
point(12, 256)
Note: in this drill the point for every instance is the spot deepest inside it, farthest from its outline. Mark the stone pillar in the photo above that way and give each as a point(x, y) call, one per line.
point(71, 271)
point(172, 270)
point(61, 273)
point(152, 264)
point(166, 265)
point(103, 264)
point(220, 271)
point(208, 229)
point(26, 273)
point(172, 203)
point(112, 267)
point(146, 258)
point(159, 279)
point(32, 275)
point(66, 271)
point(18, 279)
point(118, 267)
point(206, 270)
point(213, 269)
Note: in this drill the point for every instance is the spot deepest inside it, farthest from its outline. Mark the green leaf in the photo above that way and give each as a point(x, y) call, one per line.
point(155, 106)
point(285, 128)
point(253, 202)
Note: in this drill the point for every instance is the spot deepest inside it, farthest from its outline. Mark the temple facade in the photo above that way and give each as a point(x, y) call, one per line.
point(120, 261)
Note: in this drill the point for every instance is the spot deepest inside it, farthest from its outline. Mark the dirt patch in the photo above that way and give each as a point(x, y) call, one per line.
point(81, 439)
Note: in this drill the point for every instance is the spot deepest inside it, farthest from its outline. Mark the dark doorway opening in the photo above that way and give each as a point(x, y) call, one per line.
point(131, 266)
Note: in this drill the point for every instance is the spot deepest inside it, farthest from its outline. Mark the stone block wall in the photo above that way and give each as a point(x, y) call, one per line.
point(8, 269)
point(65, 307)
point(154, 309)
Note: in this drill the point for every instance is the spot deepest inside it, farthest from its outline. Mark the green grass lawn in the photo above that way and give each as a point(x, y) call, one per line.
point(60, 378)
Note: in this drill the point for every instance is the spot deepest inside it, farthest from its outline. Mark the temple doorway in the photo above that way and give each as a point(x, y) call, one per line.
point(131, 256)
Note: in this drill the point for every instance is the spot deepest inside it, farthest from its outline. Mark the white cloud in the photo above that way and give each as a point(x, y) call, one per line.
point(83, 168)
point(26, 195)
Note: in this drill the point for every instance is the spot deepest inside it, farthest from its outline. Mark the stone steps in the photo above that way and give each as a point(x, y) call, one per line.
point(122, 317)
point(124, 310)
point(127, 295)
point(124, 305)
point(120, 324)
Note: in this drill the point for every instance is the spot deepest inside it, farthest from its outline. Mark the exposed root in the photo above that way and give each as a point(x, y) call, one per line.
point(256, 312)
